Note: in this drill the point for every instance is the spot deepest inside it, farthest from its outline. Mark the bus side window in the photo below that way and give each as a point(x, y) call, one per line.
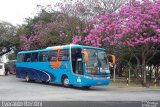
point(53, 55)
point(34, 57)
point(20, 58)
point(64, 55)
point(43, 56)
point(27, 57)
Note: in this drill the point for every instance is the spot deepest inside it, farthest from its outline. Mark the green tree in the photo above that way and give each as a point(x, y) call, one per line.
point(49, 29)
point(8, 38)
point(11, 56)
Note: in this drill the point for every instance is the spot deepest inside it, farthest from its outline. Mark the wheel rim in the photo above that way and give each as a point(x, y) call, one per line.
point(66, 82)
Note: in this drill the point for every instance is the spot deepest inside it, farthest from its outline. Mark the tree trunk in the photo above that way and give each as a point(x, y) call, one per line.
point(150, 73)
point(144, 75)
point(144, 69)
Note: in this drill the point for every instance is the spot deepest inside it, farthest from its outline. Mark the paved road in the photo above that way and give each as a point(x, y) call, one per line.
point(12, 88)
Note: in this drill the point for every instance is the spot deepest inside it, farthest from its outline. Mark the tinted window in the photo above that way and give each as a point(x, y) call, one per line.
point(76, 53)
point(43, 56)
point(63, 55)
point(1, 66)
point(34, 57)
point(53, 55)
point(27, 57)
point(76, 56)
point(20, 58)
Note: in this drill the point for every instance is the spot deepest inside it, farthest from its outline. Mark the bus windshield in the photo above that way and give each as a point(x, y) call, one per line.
point(97, 63)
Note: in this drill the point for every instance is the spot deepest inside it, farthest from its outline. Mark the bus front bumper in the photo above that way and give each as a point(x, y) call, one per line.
point(92, 81)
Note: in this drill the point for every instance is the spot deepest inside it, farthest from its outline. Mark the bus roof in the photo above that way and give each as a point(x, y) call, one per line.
point(61, 46)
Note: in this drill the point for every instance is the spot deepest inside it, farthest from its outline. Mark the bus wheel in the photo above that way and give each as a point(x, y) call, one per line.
point(65, 81)
point(27, 78)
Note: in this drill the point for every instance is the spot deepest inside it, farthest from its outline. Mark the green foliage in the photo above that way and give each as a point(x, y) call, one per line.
point(11, 56)
point(49, 29)
point(8, 36)
point(27, 28)
point(156, 59)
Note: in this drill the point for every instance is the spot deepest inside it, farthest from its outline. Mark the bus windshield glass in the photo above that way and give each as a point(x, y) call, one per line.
point(97, 63)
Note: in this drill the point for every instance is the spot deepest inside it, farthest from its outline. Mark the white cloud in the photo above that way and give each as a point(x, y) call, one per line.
point(15, 11)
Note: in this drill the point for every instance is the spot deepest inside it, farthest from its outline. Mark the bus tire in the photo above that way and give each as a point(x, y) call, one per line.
point(65, 81)
point(27, 78)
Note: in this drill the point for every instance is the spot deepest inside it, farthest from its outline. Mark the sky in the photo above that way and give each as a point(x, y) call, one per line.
point(15, 11)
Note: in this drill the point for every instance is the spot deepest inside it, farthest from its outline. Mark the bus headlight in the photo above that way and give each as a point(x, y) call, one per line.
point(108, 77)
point(107, 71)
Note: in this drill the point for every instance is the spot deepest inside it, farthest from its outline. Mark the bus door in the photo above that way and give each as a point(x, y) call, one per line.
point(77, 63)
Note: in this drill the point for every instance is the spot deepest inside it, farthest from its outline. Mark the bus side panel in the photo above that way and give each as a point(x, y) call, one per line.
point(35, 71)
point(34, 74)
point(64, 69)
point(42, 71)
point(20, 73)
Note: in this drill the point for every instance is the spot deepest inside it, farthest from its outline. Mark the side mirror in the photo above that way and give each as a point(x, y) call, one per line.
point(85, 55)
point(112, 59)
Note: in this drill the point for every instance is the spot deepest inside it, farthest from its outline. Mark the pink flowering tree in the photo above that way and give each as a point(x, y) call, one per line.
point(86, 10)
point(49, 29)
point(136, 26)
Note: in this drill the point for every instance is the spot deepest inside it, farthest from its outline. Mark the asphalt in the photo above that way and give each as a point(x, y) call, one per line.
point(14, 89)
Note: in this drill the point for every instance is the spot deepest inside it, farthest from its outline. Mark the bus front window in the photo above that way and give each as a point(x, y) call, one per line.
point(97, 63)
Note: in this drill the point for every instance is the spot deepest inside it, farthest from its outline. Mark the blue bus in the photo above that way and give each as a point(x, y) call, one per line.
point(69, 65)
